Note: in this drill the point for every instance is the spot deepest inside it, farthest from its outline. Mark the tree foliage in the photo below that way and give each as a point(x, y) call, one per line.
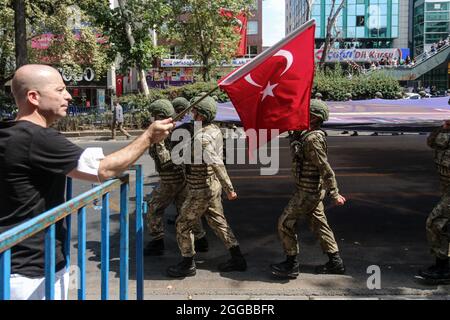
point(201, 31)
point(71, 49)
point(129, 30)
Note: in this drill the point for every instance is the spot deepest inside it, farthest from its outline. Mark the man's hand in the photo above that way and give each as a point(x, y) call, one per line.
point(159, 130)
point(232, 195)
point(339, 201)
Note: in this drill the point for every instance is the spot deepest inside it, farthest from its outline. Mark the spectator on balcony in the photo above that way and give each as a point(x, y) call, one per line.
point(35, 160)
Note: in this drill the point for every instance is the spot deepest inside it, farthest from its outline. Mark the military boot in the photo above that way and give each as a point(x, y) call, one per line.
point(438, 273)
point(154, 248)
point(236, 263)
point(186, 268)
point(201, 245)
point(290, 268)
point(334, 266)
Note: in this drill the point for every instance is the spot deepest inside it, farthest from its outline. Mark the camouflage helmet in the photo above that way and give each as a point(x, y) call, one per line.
point(180, 104)
point(319, 109)
point(162, 108)
point(206, 108)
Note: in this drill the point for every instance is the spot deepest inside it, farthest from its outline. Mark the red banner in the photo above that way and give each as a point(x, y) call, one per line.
point(241, 29)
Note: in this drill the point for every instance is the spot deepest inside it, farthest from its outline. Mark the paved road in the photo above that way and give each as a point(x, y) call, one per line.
point(390, 184)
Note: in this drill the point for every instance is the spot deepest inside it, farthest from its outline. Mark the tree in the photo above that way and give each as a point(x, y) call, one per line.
point(129, 29)
point(70, 49)
point(201, 31)
point(331, 22)
point(7, 55)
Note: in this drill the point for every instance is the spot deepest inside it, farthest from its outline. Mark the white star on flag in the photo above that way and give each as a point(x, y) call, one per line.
point(268, 90)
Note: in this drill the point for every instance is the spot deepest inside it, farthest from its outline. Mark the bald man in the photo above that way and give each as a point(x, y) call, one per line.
point(35, 160)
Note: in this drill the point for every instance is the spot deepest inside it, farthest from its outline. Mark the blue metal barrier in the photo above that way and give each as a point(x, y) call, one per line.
point(47, 220)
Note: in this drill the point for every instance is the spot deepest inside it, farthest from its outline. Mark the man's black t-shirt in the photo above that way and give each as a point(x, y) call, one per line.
point(34, 162)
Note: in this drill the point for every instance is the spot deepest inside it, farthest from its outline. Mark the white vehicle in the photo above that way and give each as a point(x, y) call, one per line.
point(412, 96)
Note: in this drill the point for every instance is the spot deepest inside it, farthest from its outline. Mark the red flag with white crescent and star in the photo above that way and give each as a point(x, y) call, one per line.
point(273, 90)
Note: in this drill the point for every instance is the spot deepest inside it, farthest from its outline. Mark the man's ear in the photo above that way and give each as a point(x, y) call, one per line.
point(33, 97)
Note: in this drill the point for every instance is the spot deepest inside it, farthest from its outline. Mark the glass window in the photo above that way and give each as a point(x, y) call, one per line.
point(351, 11)
point(395, 9)
point(351, 32)
point(351, 2)
point(317, 32)
point(252, 27)
point(383, 22)
point(360, 32)
point(360, 21)
point(383, 1)
point(360, 9)
point(351, 21)
point(316, 10)
point(394, 32)
point(360, 1)
point(395, 1)
point(395, 20)
point(383, 10)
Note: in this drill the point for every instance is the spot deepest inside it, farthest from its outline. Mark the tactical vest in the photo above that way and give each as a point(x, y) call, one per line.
point(442, 158)
point(198, 176)
point(306, 174)
point(168, 171)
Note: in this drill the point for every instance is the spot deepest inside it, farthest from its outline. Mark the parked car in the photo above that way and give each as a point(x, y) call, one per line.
point(412, 96)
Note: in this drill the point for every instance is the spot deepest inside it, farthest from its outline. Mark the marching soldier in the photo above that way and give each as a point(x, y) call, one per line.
point(314, 179)
point(437, 224)
point(206, 178)
point(172, 188)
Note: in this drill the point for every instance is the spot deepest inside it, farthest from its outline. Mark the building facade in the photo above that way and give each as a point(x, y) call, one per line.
point(431, 23)
point(360, 24)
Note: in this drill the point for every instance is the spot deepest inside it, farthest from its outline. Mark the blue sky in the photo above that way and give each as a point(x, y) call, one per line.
point(273, 21)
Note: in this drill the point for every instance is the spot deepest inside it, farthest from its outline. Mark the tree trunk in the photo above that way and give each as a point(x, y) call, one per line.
point(20, 33)
point(330, 24)
point(142, 81)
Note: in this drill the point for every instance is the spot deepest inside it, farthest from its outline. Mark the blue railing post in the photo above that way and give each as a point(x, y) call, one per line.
point(68, 222)
point(124, 241)
point(139, 233)
point(50, 263)
point(105, 246)
point(82, 253)
point(5, 273)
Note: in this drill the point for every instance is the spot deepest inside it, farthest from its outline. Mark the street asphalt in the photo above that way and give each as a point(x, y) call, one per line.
point(390, 184)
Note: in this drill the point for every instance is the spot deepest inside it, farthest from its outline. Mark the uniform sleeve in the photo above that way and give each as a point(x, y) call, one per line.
point(162, 152)
point(214, 158)
point(439, 139)
point(316, 150)
point(51, 151)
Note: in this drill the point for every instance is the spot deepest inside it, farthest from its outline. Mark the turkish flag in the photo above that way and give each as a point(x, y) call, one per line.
point(119, 85)
point(273, 91)
point(241, 29)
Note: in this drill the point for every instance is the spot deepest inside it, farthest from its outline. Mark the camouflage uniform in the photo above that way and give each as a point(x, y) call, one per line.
point(438, 220)
point(205, 181)
point(172, 188)
point(314, 177)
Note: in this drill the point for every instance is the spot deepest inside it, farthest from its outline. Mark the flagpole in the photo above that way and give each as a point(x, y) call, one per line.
point(185, 111)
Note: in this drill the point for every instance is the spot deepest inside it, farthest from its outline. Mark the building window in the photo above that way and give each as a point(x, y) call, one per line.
point(252, 51)
point(360, 22)
point(252, 27)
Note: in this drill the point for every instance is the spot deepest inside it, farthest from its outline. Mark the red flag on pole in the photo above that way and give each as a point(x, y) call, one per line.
point(273, 90)
point(241, 29)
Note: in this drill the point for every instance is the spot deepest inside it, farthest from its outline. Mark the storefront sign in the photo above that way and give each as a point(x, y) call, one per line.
point(170, 63)
point(362, 55)
point(88, 75)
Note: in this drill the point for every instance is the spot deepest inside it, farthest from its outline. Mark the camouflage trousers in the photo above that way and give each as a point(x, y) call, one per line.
point(438, 232)
point(207, 203)
point(307, 205)
point(162, 197)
